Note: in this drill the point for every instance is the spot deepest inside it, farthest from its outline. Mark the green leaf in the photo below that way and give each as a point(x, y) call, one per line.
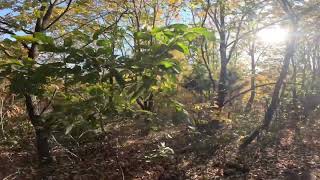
point(190, 36)
point(142, 35)
point(10, 62)
point(103, 42)
point(104, 51)
point(160, 36)
point(167, 63)
point(184, 47)
point(68, 42)
point(210, 35)
point(199, 30)
point(178, 27)
point(43, 38)
point(26, 38)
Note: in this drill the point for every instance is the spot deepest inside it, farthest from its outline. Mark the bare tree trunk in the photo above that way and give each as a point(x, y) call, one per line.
point(284, 71)
point(304, 75)
point(253, 78)
point(294, 79)
point(205, 59)
point(222, 89)
point(226, 49)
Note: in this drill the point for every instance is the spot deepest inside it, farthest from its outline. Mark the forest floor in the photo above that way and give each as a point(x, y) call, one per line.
point(173, 152)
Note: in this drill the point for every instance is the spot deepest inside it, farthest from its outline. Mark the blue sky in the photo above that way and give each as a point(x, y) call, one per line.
point(4, 11)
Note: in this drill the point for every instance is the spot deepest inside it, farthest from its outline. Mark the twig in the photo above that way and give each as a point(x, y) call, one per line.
point(10, 176)
point(64, 148)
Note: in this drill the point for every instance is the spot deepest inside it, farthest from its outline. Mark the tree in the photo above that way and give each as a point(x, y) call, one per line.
point(290, 49)
point(27, 80)
point(218, 16)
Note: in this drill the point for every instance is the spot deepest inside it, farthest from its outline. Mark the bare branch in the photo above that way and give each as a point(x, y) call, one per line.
point(62, 14)
point(236, 38)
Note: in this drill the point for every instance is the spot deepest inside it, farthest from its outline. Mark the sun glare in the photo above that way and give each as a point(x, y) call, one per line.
point(273, 35)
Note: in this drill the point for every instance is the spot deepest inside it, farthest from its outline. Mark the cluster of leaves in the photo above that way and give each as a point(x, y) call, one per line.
point(97, 80)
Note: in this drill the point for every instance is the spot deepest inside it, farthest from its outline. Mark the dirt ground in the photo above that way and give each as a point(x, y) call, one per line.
point(173, 152)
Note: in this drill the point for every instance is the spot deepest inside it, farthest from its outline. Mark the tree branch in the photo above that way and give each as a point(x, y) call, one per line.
point(62, 14)
point(246, 91)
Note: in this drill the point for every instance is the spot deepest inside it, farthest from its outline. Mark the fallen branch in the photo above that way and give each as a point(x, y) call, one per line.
point(64, 148)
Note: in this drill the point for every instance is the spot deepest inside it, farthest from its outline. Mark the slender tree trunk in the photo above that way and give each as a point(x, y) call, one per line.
point(222, 88)
point(304, 75)
point(294, 79)
point(314, 70)
point(205, 58)
point(253, 78)
point(284, 71)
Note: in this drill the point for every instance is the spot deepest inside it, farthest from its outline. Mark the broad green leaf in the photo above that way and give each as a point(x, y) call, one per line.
point(68, 42)
point(103, 42)
point(190, 36)
point(210, 35)
point(142, 35)
point(184, 47)
point(167, 63)
point(160, 36)
point(178, 27)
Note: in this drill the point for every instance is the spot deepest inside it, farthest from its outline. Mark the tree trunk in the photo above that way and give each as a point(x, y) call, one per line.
point(222, 89)
point(294, 79)
point(253, 78)
point(205, 58)
point(42, 137)
point(41, 131)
